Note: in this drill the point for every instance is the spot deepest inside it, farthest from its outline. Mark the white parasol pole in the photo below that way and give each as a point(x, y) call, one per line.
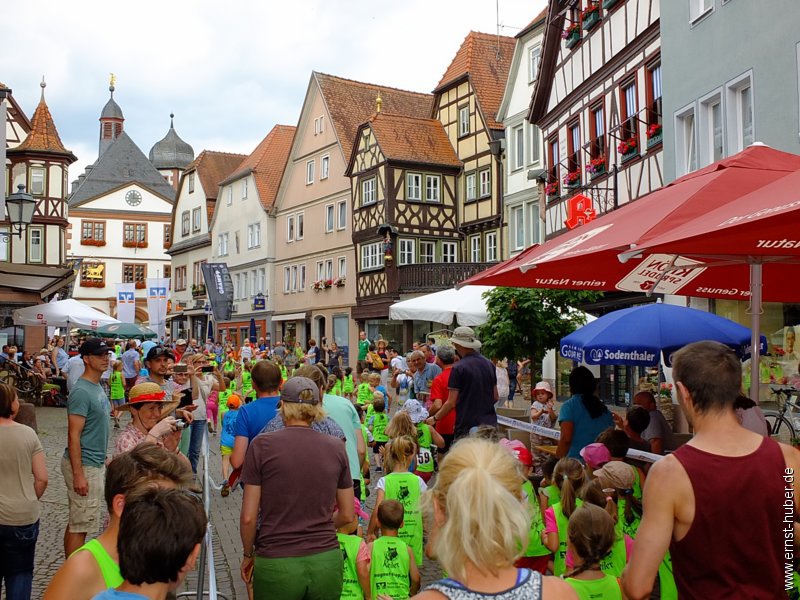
point(755, 329)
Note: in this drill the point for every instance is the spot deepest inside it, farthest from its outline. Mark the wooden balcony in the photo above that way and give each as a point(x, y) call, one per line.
point(432, 277)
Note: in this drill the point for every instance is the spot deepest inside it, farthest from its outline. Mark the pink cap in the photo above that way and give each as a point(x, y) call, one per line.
point(595, 455)
point(518, 449)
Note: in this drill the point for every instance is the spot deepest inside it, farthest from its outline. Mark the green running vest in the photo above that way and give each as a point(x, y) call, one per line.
point(379, 427)
point(117, 386)
point(562, 521)
point(389, 569)
point(349, 545)
point(424, 456)
point(404, 487)
point(606, 588)
point(627, 528)
point(108, 568)
point(349, 386)
point(536, 546)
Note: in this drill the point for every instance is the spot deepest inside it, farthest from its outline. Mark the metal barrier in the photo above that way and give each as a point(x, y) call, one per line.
point(207, 548)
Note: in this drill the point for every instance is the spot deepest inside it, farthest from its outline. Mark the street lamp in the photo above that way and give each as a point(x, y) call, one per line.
point(20, 207)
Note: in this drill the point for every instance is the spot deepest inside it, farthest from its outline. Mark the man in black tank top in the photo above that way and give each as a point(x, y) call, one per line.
point(718, 503)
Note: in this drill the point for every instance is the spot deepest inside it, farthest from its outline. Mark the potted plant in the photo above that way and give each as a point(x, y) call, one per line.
point(571, 35)
point(339, 282)
point(551, 189)
point(655, 134)
point(628, 148)
point(596, 166)
point(92, 242)
point(573, 179)
point(591, 15)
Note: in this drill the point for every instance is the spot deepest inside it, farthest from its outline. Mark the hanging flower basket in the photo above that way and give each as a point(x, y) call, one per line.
point(628, 148)
point(551, 189)
point(571, 35)
point(573, 179)
point(591, 16)
point(655, 135)
point(596, 166)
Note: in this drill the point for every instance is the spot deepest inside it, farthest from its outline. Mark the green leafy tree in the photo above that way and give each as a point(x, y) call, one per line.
point(526, 323)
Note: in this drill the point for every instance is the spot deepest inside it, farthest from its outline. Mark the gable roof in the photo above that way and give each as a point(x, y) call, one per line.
point(43, 136)
point(550, 48)
point(121, 164)
point(486, 60)
point(267, 163)
point(212, 167)
point(350, 103)
point(411, 139)
point(537, 20)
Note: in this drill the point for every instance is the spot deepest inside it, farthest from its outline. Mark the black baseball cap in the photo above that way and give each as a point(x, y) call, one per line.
point(157, 351)
point(94, 347)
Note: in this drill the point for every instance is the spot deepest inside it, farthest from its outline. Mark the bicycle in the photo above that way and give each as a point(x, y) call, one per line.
point(783, 428)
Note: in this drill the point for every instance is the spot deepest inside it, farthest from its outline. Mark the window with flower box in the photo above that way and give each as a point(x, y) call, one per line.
point(573, 176)
point(134, 235)
point(597, 146)
point(629, 129)
point(93, 233)
point(135, 273)
point(654, 102)
point(553, 183)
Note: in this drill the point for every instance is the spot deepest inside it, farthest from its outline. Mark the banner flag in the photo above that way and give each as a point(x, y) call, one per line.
point(157, 289)
point(126, 302)
point(219, 288)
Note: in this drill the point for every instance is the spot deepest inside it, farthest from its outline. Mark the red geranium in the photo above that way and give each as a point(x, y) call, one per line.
point(628, 145)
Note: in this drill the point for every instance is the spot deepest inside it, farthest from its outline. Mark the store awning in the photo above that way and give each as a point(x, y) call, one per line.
point(301, 316)
point(43, 280)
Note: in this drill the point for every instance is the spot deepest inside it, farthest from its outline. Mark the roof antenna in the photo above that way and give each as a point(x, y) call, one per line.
point(497, 20)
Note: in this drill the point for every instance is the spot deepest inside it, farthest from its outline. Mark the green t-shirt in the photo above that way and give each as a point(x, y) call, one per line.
point(404, 487)
point(389, 568)
point(536, 546)
point(117, 385)
point(363, 348)
point(605, 588)
point(88, 400)
point(349, 545)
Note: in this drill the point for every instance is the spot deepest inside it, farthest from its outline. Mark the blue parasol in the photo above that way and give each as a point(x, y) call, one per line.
point(637, 336)
point(252, 331)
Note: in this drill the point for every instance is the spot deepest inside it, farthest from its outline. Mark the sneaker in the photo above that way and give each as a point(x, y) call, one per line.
point(226, 489)
point(210, 430)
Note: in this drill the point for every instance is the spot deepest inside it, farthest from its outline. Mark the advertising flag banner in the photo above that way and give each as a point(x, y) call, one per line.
point(219, 288)
point(126, 302)
point(157, 289)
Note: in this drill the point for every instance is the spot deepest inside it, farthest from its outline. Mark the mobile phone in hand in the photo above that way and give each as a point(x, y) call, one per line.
point(207, 369)
point(180, 369)
point(186, 398)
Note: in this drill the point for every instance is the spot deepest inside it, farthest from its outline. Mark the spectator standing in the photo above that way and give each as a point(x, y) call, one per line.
point(687, 498)
point(202, 385)
point(313, 354)
point(335, 355)
point(424, 374)
point(59, 357)
point(73, 370)
point(252, 418)
point(130, 364)
point(83, 464)
point(180, 349)
point(23, 480)
point(445, 359)
point(295, 549)
point(583, 416)
point(363, 349)
point(149, 407)
point(472, 386)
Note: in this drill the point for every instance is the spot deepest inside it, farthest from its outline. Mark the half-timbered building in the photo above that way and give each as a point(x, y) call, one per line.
point(466, 102)
point(33, 262)
point(598, 104)
point(404, 177)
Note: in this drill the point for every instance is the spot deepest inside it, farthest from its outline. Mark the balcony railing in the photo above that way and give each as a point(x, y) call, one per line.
point(432, 277)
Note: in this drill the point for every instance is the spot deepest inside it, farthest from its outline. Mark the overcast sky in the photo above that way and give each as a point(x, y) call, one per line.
point(229, 71)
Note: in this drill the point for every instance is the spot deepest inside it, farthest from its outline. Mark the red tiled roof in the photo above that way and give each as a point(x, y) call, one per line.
point(486, 59)
point(267, 163)
point(212, 167)
point(43, 136)
point(413, 139)
point(350, 103)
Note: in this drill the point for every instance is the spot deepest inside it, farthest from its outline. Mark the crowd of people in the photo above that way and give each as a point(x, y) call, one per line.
point(305, 440)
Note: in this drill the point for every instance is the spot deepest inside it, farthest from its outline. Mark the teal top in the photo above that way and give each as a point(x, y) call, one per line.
point(88, 400)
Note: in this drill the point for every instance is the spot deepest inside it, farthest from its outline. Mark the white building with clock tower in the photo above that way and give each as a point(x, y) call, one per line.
point(120, 213)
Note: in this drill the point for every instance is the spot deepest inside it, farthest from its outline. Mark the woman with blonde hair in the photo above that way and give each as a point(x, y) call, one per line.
point(479, 527)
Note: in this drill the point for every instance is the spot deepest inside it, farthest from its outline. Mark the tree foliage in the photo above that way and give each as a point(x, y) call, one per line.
point(526, 323)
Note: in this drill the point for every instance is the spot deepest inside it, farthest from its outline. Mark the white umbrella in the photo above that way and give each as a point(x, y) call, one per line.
point(464, 305)
point(64, 313)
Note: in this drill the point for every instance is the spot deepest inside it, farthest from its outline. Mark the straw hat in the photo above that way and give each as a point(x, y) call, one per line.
point(149, 392)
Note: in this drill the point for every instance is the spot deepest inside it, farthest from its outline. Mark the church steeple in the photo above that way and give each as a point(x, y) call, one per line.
point(111, 120)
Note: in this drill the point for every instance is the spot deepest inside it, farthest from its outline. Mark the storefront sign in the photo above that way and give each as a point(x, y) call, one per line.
point(644, 276)
point(259, 302)
point(579, 211)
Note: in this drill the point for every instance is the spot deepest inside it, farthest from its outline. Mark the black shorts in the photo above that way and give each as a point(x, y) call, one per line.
point(376, 449)
point(357, 488)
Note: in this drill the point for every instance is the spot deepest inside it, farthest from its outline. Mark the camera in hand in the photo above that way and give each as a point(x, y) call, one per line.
point(207, 369)
point(181, 424)
point(180, 369)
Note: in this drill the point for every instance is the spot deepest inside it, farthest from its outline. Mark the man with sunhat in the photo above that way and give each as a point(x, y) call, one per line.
point(83, 464)
point(149, 407)
point(472, 386)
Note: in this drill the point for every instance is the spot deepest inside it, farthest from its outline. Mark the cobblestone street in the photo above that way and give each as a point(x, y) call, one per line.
point(52, 427)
